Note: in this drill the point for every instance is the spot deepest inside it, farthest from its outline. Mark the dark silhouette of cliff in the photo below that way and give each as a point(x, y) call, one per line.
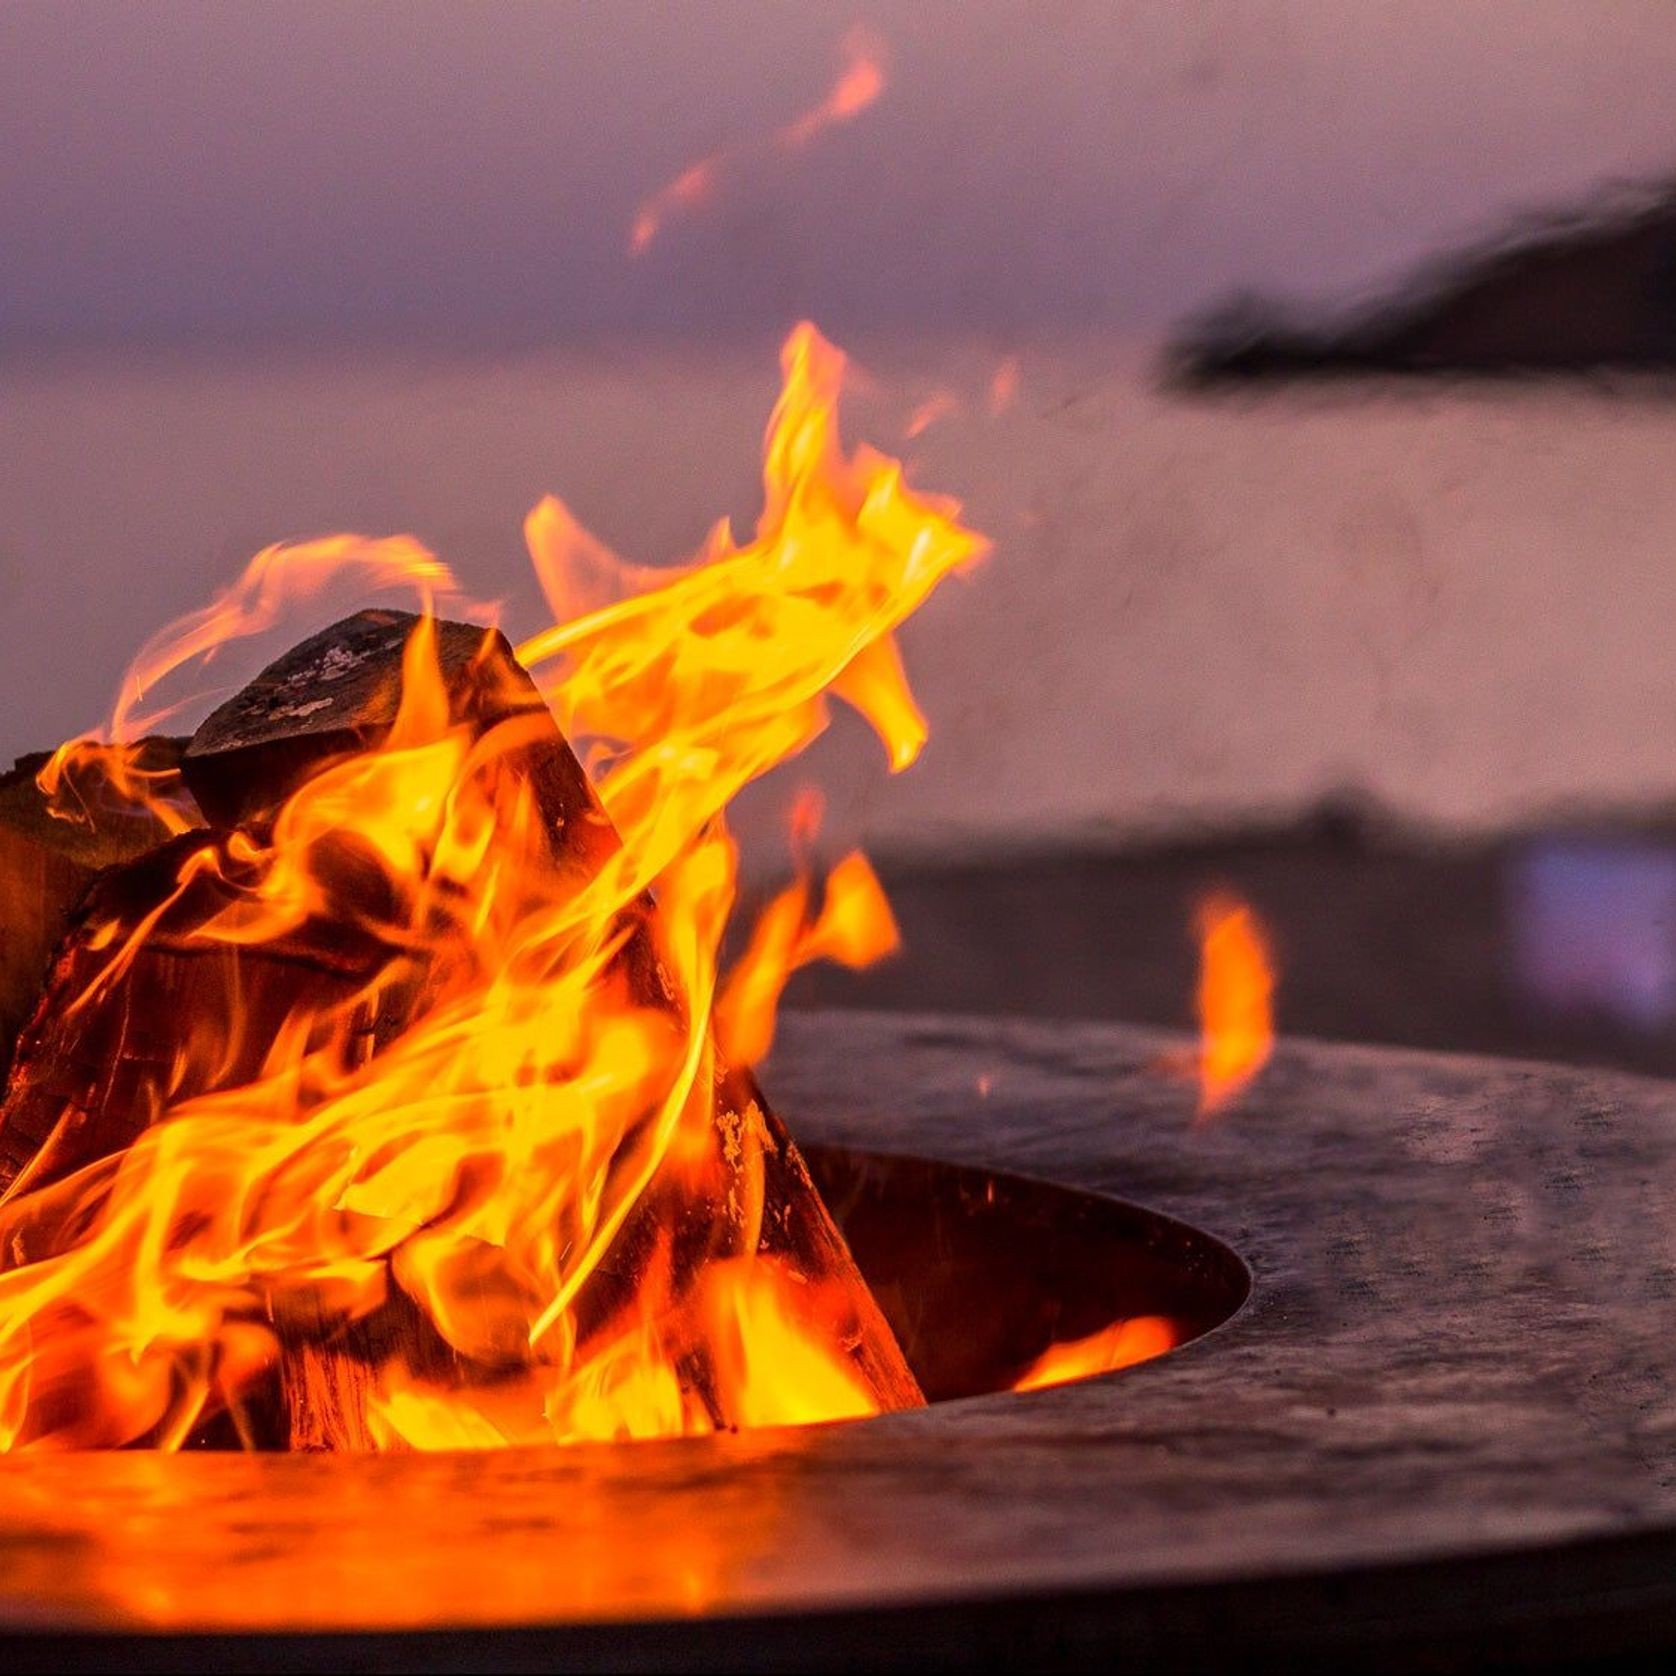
point(1586, 293)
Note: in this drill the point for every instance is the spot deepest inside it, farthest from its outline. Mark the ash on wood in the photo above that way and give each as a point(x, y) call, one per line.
point(337, 693)
point(89, 1079)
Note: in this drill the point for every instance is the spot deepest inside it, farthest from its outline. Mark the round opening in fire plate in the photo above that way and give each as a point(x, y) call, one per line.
point(999, 1282)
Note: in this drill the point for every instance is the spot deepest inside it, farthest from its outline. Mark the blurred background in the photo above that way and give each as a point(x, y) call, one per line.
point(1308, 366)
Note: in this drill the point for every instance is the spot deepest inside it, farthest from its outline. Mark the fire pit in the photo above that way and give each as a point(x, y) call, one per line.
point(383, 1168)
point(1436, 1432)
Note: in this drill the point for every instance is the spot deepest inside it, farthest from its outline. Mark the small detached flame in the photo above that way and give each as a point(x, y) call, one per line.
point(482, 1165)
point(861, 80)
point(1235, 999)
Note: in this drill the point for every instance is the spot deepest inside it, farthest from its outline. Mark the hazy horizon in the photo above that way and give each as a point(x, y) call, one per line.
point(301, 171)
point(1197, 611)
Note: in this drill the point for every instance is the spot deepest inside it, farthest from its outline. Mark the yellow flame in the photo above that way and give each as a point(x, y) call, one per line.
point(507, 1162)
point(854, 928)
point(107, 765)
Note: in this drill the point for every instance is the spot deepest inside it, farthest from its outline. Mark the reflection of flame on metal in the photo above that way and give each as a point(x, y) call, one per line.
point(860, 82)
point(1121, 1345)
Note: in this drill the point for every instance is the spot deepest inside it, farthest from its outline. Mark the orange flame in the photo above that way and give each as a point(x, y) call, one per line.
point(854, 928)
point(860, 82)
point(1235, 999)
point(1121, 1345)
point(107, 766)
point(485, 1164)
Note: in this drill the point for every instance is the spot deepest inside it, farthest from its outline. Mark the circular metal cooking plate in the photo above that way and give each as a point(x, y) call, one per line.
point(978, 1272)
point(1443, 1427)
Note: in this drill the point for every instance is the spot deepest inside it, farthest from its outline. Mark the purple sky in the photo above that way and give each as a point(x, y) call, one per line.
point(443, 171)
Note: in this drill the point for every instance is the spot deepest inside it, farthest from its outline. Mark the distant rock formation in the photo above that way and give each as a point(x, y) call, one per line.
point(1588, 292)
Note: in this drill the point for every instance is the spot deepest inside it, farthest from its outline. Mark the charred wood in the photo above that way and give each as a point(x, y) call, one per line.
point(105, 1053)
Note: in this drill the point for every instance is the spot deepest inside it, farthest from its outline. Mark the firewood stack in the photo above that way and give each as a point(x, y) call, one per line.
point(98, 1053)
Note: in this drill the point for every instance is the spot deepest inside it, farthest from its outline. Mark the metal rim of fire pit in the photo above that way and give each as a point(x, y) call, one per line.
point(1443, 1428)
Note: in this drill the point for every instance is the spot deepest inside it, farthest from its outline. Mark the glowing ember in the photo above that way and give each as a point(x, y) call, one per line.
point(860, 82)
point(517, 1117)
point(1121, 1345)
point(1235, 1000)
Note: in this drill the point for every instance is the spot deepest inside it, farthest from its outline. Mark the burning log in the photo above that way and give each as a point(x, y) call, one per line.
point(47, 863)
point(101, 1056)
point(105, 1050)
point(336, 695)
point(451, 1154)
point(105, 1053)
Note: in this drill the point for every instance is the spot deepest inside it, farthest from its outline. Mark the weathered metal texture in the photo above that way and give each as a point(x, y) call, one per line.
point(1442, 1430)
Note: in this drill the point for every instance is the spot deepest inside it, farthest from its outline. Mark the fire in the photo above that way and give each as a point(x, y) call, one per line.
point(1235, 1000)
point(1121, 1345)
point(108, 768)
point(521, 1160)
point(861, 79)
point(999, 394)
point(854, 927)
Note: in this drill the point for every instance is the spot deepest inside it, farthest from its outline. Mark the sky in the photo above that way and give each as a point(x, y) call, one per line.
point(314, 171)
